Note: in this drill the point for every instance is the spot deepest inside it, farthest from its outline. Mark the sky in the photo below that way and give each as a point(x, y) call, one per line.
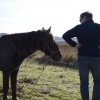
point(18, 16)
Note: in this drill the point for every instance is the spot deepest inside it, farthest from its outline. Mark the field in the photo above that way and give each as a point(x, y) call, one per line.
point(58, 81)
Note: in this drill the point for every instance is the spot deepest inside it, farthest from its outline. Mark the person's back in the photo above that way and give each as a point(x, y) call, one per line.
point(88, 34)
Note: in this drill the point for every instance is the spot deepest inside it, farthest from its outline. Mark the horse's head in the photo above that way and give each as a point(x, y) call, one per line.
point(48, 45)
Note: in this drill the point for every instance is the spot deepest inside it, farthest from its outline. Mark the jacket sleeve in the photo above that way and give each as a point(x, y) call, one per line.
point(70, 34)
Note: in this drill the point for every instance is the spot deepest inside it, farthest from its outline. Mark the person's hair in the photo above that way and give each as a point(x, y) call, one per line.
point(87, 14)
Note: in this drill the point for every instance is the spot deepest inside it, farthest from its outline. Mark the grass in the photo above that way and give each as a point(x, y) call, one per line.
point(59, 80)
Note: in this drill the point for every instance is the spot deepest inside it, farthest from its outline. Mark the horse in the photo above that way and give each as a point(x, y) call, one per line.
point(14, 48)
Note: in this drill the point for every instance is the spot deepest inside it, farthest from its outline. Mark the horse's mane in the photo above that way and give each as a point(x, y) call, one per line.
point(23, 42)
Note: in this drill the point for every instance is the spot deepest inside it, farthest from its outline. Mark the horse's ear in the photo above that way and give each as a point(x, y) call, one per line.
point(49, 30)
point(42, 28)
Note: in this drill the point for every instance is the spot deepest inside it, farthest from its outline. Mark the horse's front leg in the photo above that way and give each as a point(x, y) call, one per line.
point(6, 75)
point(13, 83)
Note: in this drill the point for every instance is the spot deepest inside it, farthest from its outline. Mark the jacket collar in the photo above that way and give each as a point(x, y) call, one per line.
point(89, 20)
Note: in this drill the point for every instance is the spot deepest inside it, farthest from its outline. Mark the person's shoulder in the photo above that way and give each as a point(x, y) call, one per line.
point(96, 23)
point(78, 25)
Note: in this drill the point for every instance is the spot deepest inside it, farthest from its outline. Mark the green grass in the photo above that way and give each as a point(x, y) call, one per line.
point(59, 80)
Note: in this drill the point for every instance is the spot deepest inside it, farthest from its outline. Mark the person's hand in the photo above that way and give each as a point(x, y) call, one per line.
point(78, 46)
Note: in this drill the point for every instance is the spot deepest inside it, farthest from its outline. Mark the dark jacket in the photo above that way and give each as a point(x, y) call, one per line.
point(88, 34)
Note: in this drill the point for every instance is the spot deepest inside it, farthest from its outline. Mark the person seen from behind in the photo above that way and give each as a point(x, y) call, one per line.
point(88, 57)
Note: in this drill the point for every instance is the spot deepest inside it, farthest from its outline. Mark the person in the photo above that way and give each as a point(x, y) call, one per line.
point(88, 57)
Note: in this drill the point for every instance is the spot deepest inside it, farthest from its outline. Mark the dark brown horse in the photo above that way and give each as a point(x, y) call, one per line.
point(14, 48)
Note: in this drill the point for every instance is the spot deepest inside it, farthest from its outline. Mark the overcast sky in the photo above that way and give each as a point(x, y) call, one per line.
point(28, 15)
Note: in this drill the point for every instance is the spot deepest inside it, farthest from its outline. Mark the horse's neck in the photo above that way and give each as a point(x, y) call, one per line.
point(28, 45)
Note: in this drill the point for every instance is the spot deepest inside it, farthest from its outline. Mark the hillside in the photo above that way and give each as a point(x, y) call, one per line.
point(58, 38)
point(1, 34)
point(61, 39)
